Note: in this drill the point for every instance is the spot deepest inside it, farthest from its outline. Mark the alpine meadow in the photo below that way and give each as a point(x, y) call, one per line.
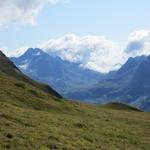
point(74, 75)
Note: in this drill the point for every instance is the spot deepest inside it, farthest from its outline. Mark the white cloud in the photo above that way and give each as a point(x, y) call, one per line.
point(138, 43)
point(22, 11)
point(93, 52)
point(13, 53)
point(4, 49)
point(98, 53)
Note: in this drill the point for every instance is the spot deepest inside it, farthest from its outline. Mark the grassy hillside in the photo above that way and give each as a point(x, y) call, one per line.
point(35, 119)
point(31, 119)
point(7, 68)
point(119, 106)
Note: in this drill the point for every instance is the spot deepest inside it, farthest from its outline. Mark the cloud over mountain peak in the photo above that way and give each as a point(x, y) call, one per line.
point(138, 43)
point(93, 52)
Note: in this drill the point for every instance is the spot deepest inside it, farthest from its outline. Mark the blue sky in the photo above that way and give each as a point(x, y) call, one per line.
point(114, 19)
point(99, 34)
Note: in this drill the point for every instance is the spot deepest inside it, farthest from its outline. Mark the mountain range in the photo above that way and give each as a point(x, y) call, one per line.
point(64, 76)
point(130, 84)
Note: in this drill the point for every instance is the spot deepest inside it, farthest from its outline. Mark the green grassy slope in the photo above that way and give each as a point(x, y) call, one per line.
point(9, 69)
point(34, 119)
point(31, 119)
point(119, 106)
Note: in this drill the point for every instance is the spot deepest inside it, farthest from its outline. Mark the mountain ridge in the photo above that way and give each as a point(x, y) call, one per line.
point(8, 68)
point(128, 85)
point(62, 75)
